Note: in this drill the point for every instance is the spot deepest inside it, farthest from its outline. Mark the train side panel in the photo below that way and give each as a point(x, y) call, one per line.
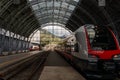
point(81, 42)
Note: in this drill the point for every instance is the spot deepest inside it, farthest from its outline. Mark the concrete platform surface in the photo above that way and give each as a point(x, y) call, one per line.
point(6, 60)
point(55, 59)
point(60, 73)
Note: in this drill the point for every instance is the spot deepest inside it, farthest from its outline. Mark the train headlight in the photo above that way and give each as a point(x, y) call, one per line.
point(92, 58)
point(116, 57)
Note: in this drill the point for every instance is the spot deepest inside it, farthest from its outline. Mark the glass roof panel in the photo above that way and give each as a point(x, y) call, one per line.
point(44, 12)
point(42, 4)
point(50, 14)
point(54, 10)
point(65, 5)
point(62, 12)
point(57, 4)
point(76, 0)
point(35, 7)
point(68, 14)
point(50, 11)
point(49, 4)
point(37, 13)
point(71, 7)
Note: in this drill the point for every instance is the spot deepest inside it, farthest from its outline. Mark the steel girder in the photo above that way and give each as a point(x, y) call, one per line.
point(16, 17)
point(16, 14)
point(24, 21)
point(6, 6)
point(32, 21)
point(31, 30)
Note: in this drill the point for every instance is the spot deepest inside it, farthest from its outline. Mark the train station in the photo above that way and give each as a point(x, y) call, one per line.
point(59, 39)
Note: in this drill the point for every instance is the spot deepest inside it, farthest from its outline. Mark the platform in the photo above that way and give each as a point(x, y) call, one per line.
point(56, 68)
point(6, 60)
point(55, 60)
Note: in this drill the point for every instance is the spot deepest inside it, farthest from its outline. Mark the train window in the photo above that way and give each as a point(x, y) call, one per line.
point(91, 34)
point(101, 39)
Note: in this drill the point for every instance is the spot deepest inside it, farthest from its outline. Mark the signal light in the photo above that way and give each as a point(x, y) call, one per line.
point(92, 58)
point(116, 57)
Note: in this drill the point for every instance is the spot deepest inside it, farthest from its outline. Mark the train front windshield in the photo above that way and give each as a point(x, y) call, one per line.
point(100, 38)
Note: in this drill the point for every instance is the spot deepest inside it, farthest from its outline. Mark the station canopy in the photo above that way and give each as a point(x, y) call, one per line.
point(23, 17)
point(56, 11)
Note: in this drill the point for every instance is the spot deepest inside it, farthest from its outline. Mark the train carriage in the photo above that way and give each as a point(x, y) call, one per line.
point(96, 51)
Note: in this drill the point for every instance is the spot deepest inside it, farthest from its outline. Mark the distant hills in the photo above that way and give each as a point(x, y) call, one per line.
point(47, 37)
point(48, 32)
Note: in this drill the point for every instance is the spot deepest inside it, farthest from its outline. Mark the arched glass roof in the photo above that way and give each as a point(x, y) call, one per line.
point(23, 17)
point(58, 11)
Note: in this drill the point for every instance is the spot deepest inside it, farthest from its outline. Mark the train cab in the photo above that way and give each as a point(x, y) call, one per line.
point(97, 49)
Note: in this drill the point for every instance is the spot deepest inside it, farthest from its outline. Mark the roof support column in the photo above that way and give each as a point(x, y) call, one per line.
point(3, 41)
point(26, 45)
point(23, 44)
point(10, 43)
point(17, 43)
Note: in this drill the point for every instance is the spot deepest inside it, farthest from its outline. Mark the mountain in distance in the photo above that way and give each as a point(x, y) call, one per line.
point(54, 35)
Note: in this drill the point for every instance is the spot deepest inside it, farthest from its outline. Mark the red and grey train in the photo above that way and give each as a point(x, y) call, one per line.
point(96, 51)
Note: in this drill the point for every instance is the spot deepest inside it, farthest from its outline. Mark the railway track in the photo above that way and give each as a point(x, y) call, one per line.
point(28, 71)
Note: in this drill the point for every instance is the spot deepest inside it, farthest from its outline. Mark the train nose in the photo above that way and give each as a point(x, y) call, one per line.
point(106, 65)
point(109, 66)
